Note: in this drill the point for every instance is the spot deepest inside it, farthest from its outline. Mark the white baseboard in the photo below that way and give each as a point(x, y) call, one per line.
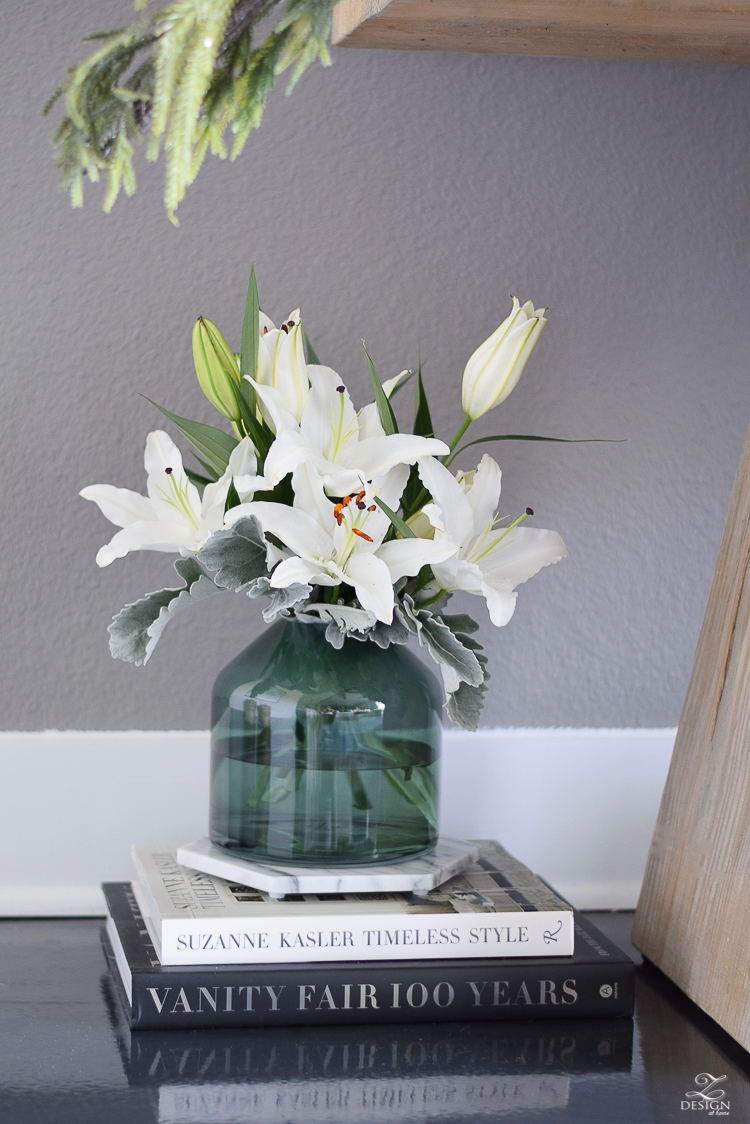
point(578, 806)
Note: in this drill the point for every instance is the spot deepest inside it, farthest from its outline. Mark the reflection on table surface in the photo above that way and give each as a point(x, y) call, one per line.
point(464, 1070)
point(66, 1054)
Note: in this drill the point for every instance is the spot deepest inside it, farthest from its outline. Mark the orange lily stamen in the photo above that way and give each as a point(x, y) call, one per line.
point(373, 507)
point(361, 534)
point(346, 501)
point(359, 497)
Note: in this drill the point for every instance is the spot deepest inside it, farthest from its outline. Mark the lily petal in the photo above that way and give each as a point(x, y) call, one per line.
point(484, 493)
point(407, 556)
point(242, 459)
point(501, 603)
point(151, 535)
point(121, 506)
point(309, 495)
point(389, 488)
point(302, 571)
point(243, 466)
point(288, 450)
point(329, 420)
point(434, 516)
point(173, 496)
point(273, 406)
point(290, 371)
point(457, 513)
point(390, 384)
point(212, 507)
point(376, 455)
point(372, 582)
point(369, 422)
point(456, 573)
point(524, 552)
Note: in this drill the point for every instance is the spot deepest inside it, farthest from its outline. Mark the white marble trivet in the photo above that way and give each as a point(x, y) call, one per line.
point(419, 875)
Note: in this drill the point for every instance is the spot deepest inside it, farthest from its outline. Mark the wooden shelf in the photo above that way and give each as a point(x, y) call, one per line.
point(685, 30)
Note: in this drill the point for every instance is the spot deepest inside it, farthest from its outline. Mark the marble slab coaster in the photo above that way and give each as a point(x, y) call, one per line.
point(419, 875)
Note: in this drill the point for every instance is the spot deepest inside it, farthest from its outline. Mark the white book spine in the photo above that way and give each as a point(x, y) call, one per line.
point(269, 940)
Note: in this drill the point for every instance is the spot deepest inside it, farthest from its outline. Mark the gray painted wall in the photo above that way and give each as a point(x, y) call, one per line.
point(400, 197)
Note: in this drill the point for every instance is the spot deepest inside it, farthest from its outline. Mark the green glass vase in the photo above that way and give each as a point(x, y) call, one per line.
point(324, 756)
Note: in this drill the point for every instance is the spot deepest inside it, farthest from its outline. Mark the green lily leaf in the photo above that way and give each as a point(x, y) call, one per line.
point(414, 493)
point(417, 790)
point(213, 444)
point(261, 787)
point(398, 523)
point(311, 356)
point(197, 479)
point(212, 476)
point(423, 426)
point(360, 799)
point(258, 431)
point(385, 410)
point(250, 335)
point(532, 437)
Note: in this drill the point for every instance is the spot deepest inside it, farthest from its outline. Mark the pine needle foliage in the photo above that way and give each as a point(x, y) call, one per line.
point(183, 74)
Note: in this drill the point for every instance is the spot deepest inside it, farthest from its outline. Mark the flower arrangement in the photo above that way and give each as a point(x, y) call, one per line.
point(332, 514)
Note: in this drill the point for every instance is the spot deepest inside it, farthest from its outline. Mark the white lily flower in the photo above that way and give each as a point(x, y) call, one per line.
point(334, 544)
point(491, 560)
point(172, 517)
point(281, 362)
point(346, 448)
point(495, 367)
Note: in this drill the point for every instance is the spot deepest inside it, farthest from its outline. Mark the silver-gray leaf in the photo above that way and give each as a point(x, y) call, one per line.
point(459, 622)
point(442, 644)
point(236, 553)
point(464, 706)
point(135, 631)
point(386, 634)
point(282, 600)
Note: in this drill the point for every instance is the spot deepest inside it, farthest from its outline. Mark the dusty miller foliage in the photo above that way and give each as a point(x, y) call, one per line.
point(237, 557)
point(183, 74)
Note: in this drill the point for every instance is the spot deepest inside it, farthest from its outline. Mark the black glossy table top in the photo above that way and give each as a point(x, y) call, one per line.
point(65, 1056)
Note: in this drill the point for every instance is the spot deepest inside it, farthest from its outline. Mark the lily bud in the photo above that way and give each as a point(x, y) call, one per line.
point(496, 365)
point(216, 367)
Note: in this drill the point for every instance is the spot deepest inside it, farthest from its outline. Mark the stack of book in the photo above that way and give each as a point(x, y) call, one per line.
point(191, 950)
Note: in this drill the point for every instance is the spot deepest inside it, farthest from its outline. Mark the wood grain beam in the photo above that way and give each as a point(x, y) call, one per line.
point(683, 30)
point(693, 916)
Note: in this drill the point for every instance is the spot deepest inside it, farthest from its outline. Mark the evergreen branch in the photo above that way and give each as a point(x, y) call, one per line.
point(183, 74)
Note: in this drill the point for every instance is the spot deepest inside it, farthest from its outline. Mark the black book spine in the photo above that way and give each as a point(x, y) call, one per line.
point(330, 994)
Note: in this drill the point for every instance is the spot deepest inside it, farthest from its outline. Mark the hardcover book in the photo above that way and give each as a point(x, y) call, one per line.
point(596, 981)
point(496, 907)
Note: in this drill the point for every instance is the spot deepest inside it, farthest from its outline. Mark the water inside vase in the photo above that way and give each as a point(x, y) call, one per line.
point(324, 756)
point(309, 816)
